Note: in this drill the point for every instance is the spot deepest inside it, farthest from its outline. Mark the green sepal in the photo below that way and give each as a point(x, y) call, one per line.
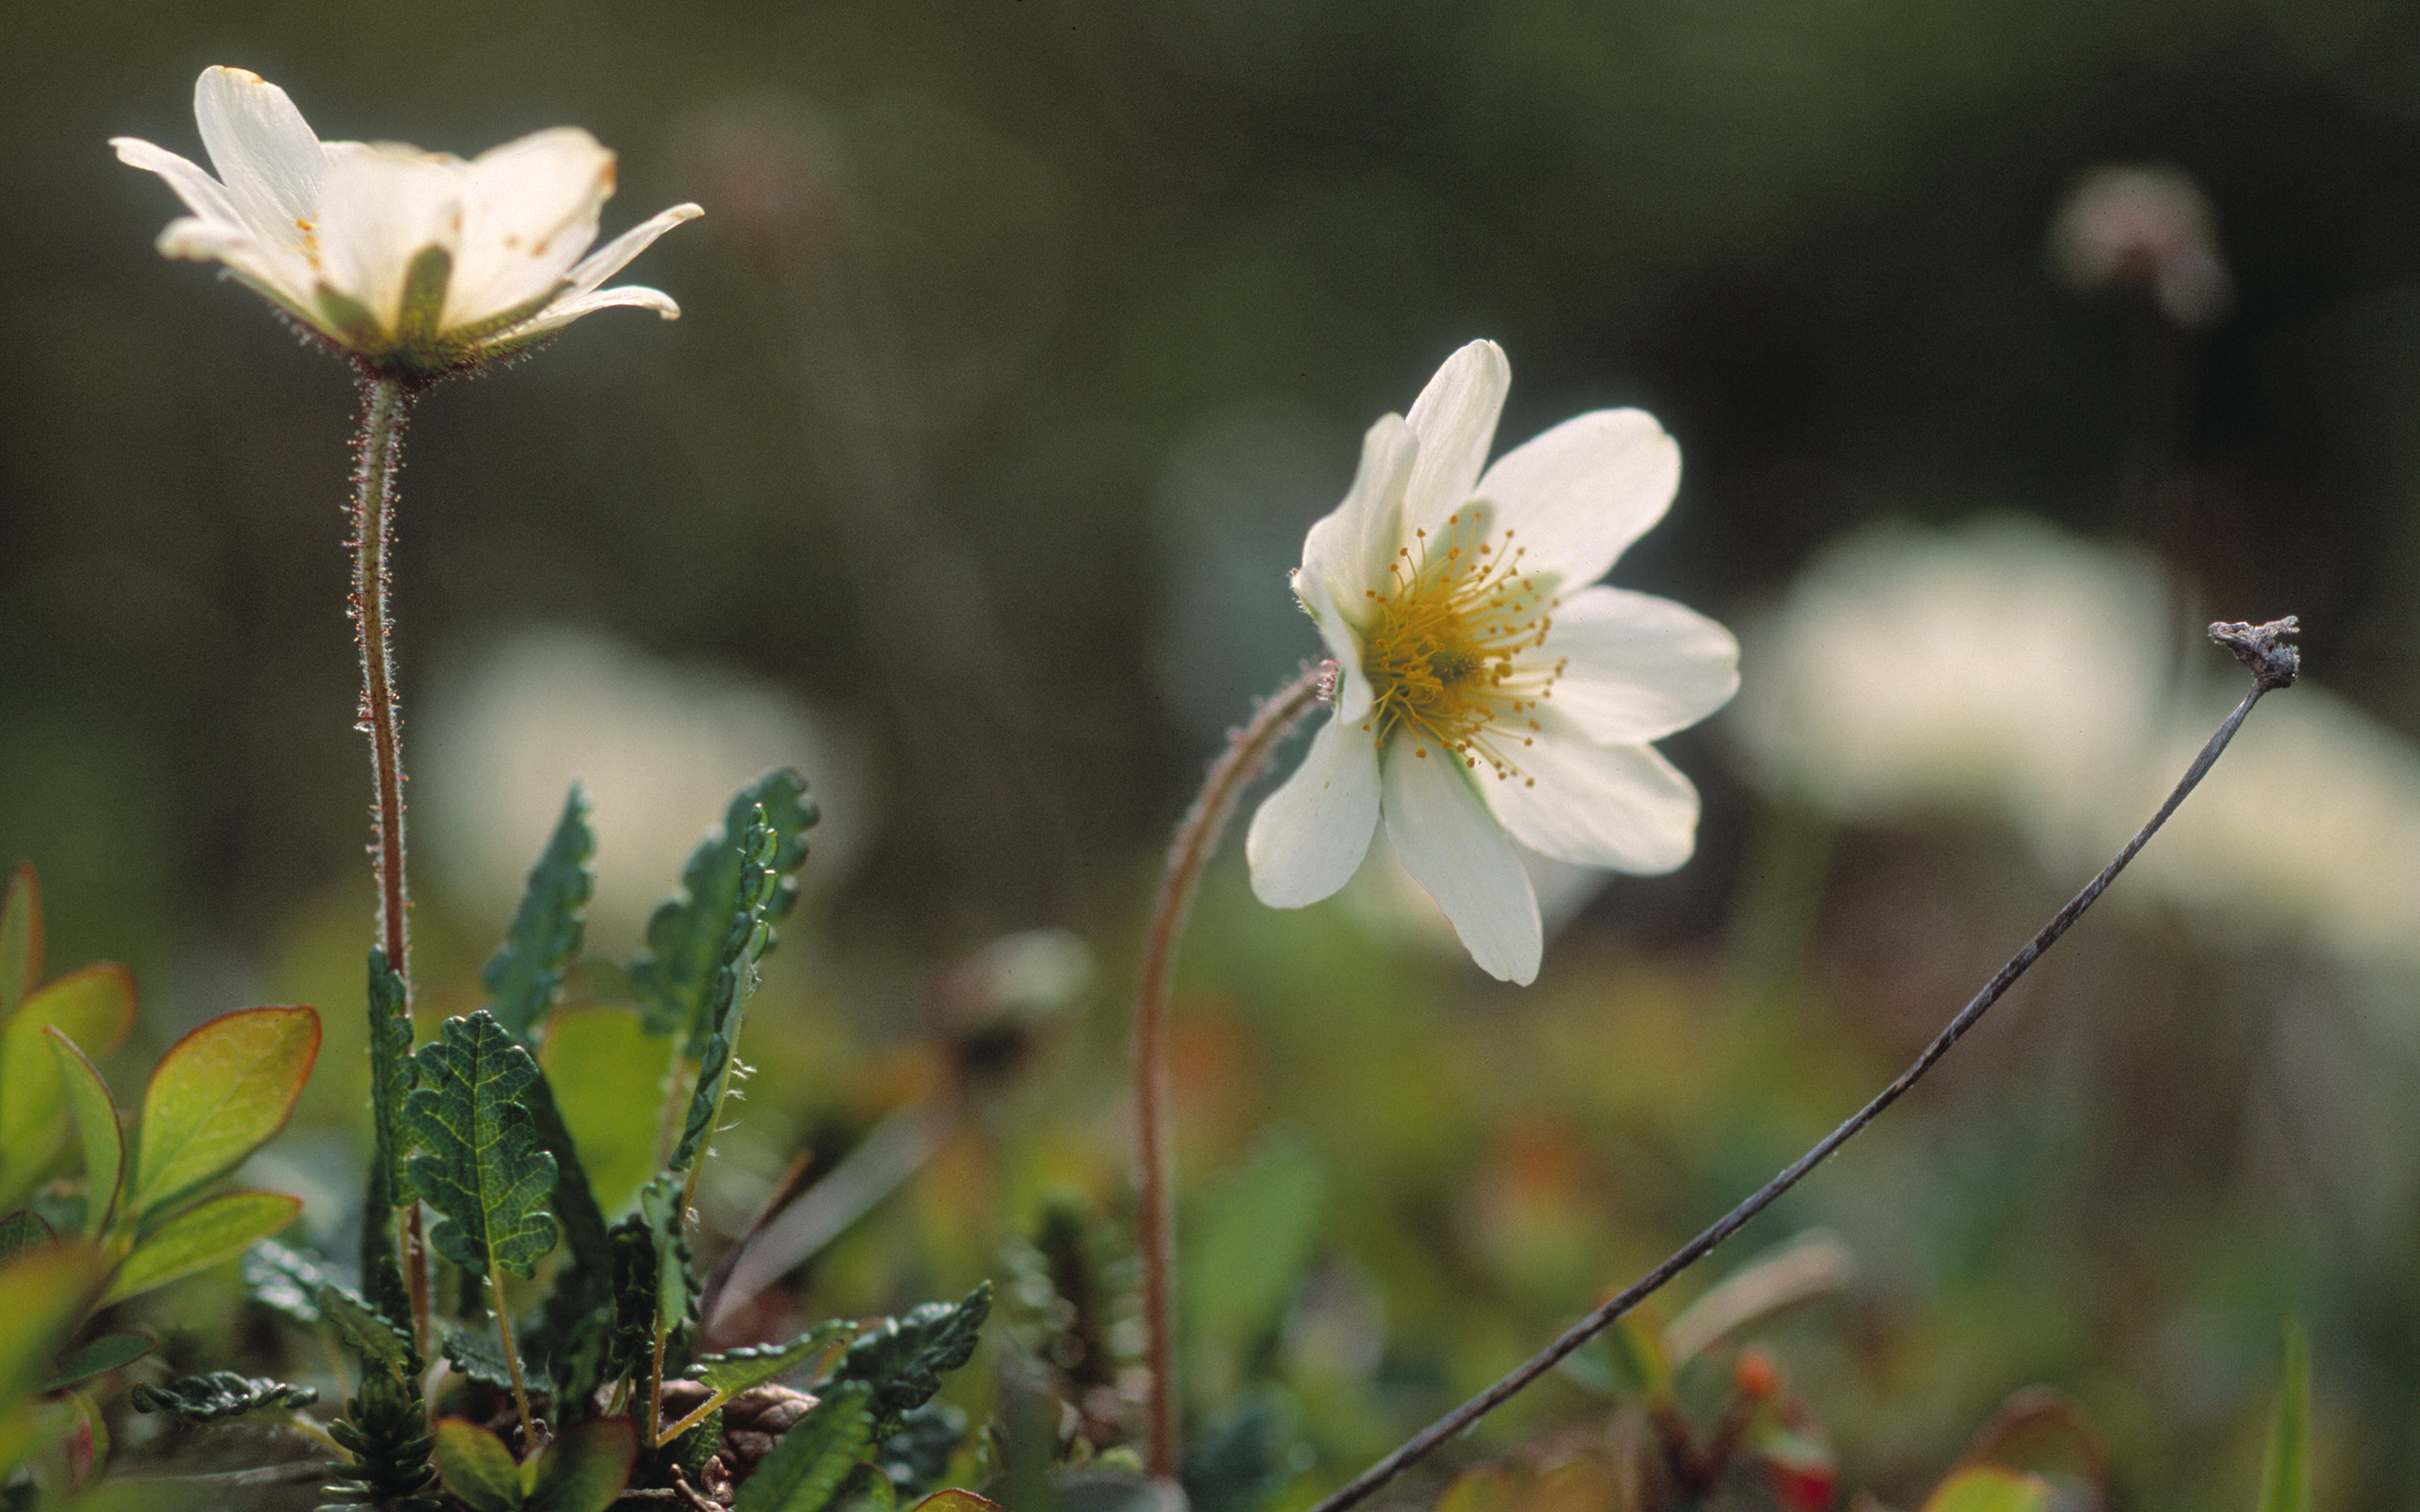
point(101, 1355)
point(903, 1359)
point(422, 311)
point(687, 934)
point(349, 321)
point(480, 1166)
point(220, 1395)
point(805, 1470)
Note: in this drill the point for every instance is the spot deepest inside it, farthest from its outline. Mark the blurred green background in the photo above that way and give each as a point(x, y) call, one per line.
point(1023, 339)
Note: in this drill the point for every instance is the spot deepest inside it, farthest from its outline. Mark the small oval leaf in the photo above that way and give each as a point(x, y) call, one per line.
point(476, 1467)
point(585, 1468)
point(956, 1501)
point(96, 1120)
point(22, 1231)
point(1991, 1488)
point(219, 1094)
point(200, 1237)
point(96, 1007)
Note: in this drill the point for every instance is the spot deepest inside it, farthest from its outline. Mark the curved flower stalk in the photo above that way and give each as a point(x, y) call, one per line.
point(1488, 692)
point(415, 263)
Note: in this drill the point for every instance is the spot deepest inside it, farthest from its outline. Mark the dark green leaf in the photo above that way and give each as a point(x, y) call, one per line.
point(393, 1072)
point(675, 1283)
point(725, 1004)
point(2286, 1472)
point(479, 1355)
point(220, 1394)
point(585, 1467)
point(368, 1332)
point(685, 937)
point(1242, 1463)
point(476, 1467)
point(22, 1231)
point(386, 1429)
point(919, 1454)
point(903, 1359)
point(284, 1280)
point(526, 972)
point(730, 1372)
point(805, 1472)
point(867, 1489)
point(103, 1354)
point(480, 1166)
point(585, 1284)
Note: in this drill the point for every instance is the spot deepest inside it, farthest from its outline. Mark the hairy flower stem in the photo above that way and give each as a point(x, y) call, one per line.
point(1197, 837)
point(377, 452)
point(2272, 665)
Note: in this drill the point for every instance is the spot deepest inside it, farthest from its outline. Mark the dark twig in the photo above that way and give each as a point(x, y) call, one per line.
point(2272, 664)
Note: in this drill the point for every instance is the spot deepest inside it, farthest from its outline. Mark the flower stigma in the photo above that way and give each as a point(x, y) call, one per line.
point(1446, 648)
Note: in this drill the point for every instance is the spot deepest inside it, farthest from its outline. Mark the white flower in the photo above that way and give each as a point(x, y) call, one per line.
point(416, 262)
point(1487, 688)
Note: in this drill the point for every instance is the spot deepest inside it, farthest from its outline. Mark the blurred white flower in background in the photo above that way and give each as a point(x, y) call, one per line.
point(413, 261)
point(2002, 666)
point(2007, 668)
point(2150, 227)
point(661, 746)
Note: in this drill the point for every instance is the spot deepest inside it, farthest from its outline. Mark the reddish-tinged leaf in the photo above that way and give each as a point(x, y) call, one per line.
point(219, 1094)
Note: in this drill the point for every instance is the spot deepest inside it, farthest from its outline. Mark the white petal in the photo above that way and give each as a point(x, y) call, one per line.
point(1447, 839)
point(1307, 837)
point(1636, 667)
point(381, 207)
point(564, 310)
point(1347, 552)
point(203, 195)
point(273, 272)
point(266, 153)
point(1624, 807)
point(1580, 493)
point(1454, 418)
point(616, 255)
point(1353, 694)
point(529, 210)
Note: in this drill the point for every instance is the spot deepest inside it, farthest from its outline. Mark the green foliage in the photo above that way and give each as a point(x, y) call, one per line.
point(729, 1372)
point(805, 1470)
point(903, 1359)
point(956, 1501)
point(220, 1395)
point(479, 1355)
point(368, 1333)
point(111, 1351)
point(1991, 1488)
point(20, 937)
point(674, 1282)
point(48, 1289)
point(1247, 1253)
point(480, 1167)
point(284, 1280)
point(96, 1121)
point(393, 1072)
point(2285, 1471)
point(601, 1065)
point(386, 1429)
point(219, 1094)
point(1245, 1458)
point(95, 1008)
point(476, 1467)
point(526, 972)
point(724, 1006)
point(585, 1467)
point(217, 1228)
point(919, 1454)
point(687, 936)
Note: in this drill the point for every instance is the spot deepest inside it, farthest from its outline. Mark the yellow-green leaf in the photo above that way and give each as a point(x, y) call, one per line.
point(604, 1065)
point(956, 1501)
point(585, 1468)
point(476, 1467)
point(20, 937)
point(47, 1291)
point(203, 1235)
point(1989, 1489)
point(1487, 1488)
point(2286, 1473)
point(96, 1007)
point(219, 1094)
point(805, 1469)
point(96, 1121)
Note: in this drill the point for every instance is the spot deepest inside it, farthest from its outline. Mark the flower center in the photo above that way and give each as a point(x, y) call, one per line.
point(1447, 647)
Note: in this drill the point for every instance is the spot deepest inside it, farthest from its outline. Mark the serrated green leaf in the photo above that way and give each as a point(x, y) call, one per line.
point(903, 1359)
point(805, 1472)
point(687, 933)
point(724, 1007)
point(368, 1331)
point(101, 1355)
point(284, 1280)
point(96, 1007)
point(526, 972)
point(588, 1277)
point(480, 1356)
point(219, 1093)
point(730, 1372)
point(20, 937)
point(480, 1166)
point(1991, 1488)
point(675, 1283)
point(476, 1467)
point(217, 1228)
point(220, 1395)
point(602, 1065)
point(2286, 1470)
point(22, 1231)
point(393, 1074)
point(95, 1114)
point(585, 1467)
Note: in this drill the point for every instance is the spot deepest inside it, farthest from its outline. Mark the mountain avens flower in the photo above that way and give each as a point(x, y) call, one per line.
point(1487, 691)
point(416, 263)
